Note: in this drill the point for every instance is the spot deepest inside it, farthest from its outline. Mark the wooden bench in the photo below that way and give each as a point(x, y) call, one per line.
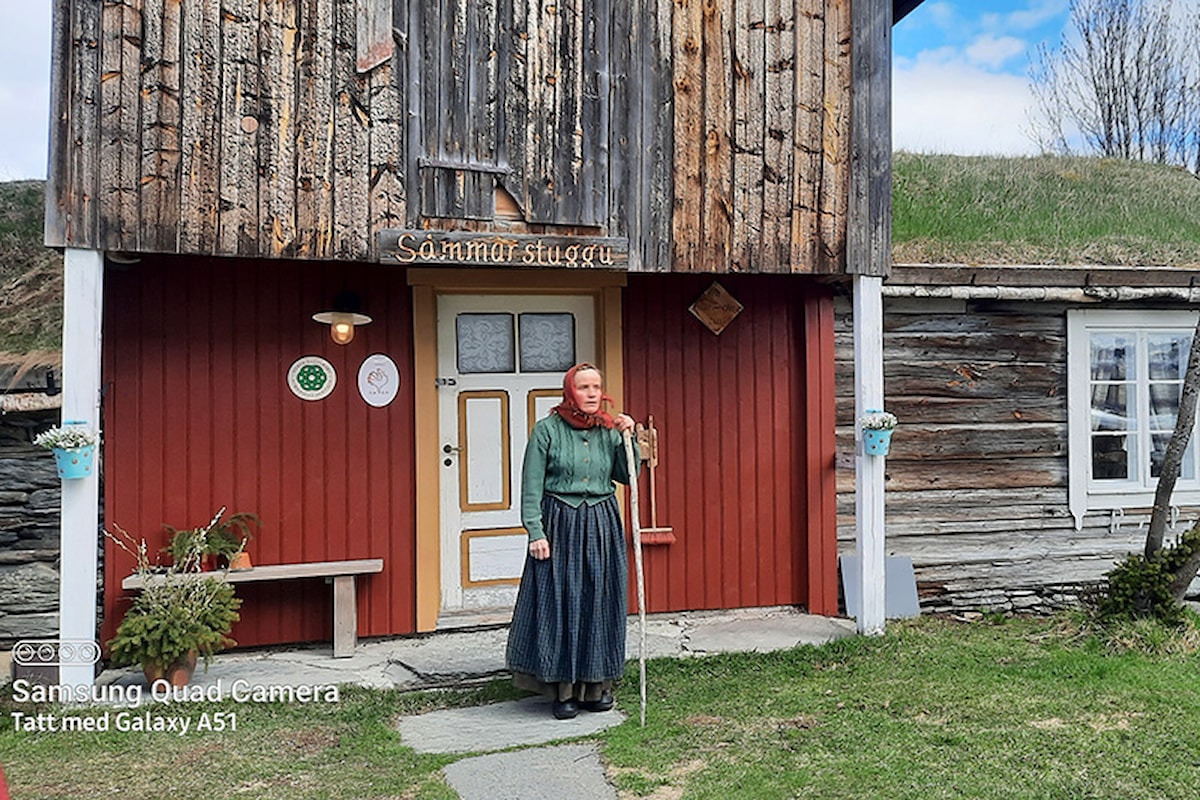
point(341, 573)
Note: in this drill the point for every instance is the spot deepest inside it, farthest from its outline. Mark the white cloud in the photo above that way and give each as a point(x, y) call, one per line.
point(24, 91)
point(944, 105)
point(995, 51)
point(1026, 19)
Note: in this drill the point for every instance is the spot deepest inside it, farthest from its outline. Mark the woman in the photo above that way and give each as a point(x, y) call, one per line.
point(567, 638)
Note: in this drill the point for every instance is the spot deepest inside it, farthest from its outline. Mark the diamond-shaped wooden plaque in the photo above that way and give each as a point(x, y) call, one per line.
point(716, 308)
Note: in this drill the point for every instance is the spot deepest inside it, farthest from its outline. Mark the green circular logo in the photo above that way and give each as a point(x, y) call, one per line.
point(311, 377)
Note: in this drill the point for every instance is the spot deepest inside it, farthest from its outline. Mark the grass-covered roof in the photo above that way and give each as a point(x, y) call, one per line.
point(1043, 210)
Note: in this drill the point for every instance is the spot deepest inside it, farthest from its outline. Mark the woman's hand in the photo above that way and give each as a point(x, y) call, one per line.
point(623, 422)
point(540, 549)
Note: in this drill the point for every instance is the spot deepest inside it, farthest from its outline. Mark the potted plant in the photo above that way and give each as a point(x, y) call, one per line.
point(181, 614)
point(877, 427)
point(74, 446)
point(223, 539)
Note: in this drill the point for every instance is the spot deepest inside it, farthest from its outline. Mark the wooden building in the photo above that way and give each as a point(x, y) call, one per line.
point(1036, 402)
point(569, 177)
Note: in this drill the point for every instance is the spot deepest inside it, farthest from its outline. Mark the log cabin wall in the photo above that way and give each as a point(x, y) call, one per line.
point(715, 136)
point(977, 474)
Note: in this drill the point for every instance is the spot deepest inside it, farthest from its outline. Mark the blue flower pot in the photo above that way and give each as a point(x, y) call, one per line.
point(877, 442)
point(75, 462)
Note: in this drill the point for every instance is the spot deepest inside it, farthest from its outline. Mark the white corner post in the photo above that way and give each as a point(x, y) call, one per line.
point(869, 470)
point(869, 258)
point(83, 296)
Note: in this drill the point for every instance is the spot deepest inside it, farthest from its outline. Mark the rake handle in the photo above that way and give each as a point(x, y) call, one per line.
point(632, 460)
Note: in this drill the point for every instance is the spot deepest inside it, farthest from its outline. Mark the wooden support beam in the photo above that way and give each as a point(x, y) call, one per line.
point(869, 470)
point(83, 292)
point(868, 258)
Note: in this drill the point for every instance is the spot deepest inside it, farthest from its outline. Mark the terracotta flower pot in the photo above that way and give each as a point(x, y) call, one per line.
point(177, 674)
point(240, 561)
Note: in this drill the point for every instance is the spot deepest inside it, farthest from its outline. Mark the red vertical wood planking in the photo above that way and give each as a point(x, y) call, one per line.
point(202, 417)
point(821, 412)
point(735, 451)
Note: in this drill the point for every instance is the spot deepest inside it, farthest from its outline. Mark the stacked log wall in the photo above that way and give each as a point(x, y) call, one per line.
point(977, 475)
point(29, 529)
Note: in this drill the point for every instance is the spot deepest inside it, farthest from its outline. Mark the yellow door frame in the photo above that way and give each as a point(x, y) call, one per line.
point(427, 284)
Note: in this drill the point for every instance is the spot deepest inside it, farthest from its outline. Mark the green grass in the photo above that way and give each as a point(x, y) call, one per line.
point(1022, 708)
point(1043, 210)
point(30, 277)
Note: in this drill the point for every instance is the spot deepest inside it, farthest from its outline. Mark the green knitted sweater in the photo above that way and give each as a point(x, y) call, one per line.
point(576, 466)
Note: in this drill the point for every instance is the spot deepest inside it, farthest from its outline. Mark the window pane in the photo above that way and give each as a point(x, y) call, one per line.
point(547, 342)
point(1167, 354)
point(485, 343)
point(1110, 407)
point(1187, 468)
point(1164, 405)
point(1112, 356)
point(1110, 457)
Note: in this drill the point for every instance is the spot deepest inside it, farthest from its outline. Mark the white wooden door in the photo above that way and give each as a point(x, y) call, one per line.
point(501, 361)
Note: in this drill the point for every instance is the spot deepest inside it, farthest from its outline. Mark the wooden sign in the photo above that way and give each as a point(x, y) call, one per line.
point(472, 248)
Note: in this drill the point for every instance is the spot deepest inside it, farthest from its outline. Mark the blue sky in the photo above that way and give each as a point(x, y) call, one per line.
point(959, 83)
point(960, 74)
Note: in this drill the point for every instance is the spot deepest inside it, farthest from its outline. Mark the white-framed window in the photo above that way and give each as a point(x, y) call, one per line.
point(1124, 378)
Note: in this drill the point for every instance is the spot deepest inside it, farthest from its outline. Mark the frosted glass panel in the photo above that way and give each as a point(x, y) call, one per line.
point(547, 342)
point(485, 343)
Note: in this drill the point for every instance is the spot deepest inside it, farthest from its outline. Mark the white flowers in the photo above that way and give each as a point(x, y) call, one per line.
point(878, 421)
point(69, 436)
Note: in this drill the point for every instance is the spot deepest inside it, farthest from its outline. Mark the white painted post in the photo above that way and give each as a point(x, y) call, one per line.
point(869, 470)
point(83, 294)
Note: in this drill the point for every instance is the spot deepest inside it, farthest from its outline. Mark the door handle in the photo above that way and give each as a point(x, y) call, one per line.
point(448, 449)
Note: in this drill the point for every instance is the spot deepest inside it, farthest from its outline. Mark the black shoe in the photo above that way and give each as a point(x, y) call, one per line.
point(565, 709)
point(605, 703)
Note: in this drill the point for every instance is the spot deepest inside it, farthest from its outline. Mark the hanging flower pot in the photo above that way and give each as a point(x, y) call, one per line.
point(74, 462)
point(877, 442)
point(74, 448)
point(877, 429)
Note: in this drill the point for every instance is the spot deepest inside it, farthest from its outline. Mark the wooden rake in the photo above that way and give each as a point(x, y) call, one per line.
point(632, 460)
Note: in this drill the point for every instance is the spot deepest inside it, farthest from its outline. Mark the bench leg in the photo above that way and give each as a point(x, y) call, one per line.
point(345, 616)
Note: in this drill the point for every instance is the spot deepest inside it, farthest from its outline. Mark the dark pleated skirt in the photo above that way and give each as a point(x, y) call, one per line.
point(569, 621)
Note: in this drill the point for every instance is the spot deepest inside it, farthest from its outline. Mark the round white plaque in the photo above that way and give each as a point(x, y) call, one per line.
point(378, 380)
point(311, 378)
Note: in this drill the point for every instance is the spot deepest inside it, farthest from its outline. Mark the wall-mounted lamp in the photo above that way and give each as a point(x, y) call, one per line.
point(345, 315)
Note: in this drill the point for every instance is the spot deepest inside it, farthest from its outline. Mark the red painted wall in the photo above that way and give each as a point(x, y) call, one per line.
point(735, 450)
point(198, 414)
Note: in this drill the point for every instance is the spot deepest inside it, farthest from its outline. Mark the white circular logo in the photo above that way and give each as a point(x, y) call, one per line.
point(311, 378)
point(378, 380)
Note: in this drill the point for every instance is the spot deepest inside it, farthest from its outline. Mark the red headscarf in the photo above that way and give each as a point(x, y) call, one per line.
point(569, 408)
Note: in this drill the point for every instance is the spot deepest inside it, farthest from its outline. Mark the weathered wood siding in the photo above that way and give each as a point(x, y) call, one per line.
point(977, 474)
point(198, 415)
point(715, 136)
point(226, 128)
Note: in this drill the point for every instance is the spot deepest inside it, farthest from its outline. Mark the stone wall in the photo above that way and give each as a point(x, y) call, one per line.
point(29, 529)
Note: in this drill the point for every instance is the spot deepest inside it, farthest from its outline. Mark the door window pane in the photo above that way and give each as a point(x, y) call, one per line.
point(485, 343)
point(547, 342)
